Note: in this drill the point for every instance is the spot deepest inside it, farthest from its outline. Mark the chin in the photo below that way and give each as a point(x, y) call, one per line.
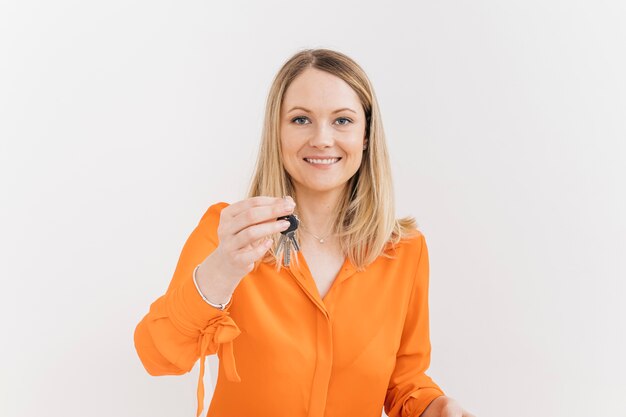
point(320, 188)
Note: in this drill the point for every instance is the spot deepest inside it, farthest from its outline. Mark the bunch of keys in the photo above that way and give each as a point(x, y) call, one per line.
point(287, 240)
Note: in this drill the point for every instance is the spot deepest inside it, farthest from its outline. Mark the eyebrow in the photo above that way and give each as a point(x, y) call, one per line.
point(307, 110)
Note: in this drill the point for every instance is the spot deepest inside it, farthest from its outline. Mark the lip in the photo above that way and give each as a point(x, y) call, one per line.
point(321, 157)
point(322, 166)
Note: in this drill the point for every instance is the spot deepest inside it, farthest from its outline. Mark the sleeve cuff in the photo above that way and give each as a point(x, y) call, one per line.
point(419, 400)
point(189, 310)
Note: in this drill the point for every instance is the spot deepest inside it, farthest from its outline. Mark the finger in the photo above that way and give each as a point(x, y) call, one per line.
point(253, 233)
point(252, 255)
point(255, 244)
point(235, 209)
point(258, 215)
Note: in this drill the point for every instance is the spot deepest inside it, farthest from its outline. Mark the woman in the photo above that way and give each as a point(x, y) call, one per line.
point(343, 329)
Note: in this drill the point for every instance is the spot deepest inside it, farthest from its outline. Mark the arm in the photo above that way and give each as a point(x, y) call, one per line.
point(180, 326)
point(410, 389)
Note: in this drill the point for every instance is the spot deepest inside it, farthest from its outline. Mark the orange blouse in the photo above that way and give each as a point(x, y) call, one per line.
point(285, 351)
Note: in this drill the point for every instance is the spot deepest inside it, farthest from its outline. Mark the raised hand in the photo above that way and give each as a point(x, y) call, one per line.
point(243, 233)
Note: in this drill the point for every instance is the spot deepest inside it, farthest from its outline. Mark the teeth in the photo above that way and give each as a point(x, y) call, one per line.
point(322, 161)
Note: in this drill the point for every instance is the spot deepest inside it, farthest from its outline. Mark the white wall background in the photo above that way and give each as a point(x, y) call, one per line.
point(121, 121)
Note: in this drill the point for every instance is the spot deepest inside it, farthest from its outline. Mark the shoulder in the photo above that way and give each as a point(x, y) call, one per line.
point(210, 220)
point(212, 214)
point(412, 256)
point(409, 246)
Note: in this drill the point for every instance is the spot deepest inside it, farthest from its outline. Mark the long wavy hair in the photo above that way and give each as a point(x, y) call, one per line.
point(365, 222)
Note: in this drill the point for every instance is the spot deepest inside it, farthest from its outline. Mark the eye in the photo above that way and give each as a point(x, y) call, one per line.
point(295, 120)
point(344, 119)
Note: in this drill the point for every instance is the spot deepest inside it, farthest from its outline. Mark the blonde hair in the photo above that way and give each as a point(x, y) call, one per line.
point(365, 221)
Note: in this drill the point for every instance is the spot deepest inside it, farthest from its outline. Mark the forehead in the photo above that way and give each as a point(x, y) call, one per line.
point(320, 91)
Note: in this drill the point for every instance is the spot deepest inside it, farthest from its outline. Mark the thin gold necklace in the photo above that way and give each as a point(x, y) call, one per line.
point(320, 239)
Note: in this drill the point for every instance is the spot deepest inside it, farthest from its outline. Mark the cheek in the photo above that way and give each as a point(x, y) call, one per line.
point(291, 143)
point(289, 154)
point(354, 145)
point(288, 150)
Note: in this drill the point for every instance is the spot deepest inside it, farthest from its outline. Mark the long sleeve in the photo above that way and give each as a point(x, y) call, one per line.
point(410, 390)
point(181, 327)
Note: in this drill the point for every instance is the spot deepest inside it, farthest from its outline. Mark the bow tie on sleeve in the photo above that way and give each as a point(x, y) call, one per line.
point(218, 336)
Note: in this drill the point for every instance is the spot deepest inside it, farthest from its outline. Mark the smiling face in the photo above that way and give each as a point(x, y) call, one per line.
point(322, 132)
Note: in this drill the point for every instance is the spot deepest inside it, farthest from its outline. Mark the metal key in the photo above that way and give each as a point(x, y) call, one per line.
point(287, 241)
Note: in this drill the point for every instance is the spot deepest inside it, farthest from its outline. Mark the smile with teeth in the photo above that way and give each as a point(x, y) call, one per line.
point(326, 161)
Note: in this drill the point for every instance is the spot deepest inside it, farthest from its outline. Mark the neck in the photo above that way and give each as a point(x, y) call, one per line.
point(317, 210)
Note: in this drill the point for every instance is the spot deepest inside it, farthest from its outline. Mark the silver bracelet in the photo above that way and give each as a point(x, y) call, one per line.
point(218, 306)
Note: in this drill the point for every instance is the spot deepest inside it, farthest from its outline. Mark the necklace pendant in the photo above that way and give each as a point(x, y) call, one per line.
point(321, 240)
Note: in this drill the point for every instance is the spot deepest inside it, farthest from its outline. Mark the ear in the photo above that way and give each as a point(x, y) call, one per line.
point(364, 142)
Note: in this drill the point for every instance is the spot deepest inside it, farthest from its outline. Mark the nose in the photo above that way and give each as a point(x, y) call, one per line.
point(322, 137)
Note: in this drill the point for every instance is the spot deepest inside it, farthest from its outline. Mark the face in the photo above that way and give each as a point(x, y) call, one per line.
point(322, 131)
